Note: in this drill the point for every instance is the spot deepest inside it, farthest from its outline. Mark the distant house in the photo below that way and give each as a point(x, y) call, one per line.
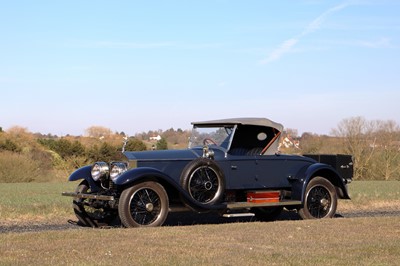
point(288, 142)
point(158, 138)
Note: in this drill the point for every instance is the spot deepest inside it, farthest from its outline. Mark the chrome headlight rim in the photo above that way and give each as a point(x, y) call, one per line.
point(117, 168)
point(100, 170)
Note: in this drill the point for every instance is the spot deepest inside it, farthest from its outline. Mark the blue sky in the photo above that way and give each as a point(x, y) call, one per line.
point(135, 66)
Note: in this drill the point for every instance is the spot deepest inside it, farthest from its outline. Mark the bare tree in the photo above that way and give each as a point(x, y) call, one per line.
point(18, 131)
point(375, 146)
point(98, 131)
point(356, 134)
point(387, 163)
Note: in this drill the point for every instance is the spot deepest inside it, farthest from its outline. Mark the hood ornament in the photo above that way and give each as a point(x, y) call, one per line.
point(124, 143)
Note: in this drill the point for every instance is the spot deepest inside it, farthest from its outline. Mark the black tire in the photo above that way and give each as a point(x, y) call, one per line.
point(89, 216)
point(267, 214)
point(320, 199)
point(143, 205)
point(204, 181)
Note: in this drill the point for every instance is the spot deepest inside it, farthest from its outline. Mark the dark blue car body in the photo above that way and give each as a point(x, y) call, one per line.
point(242, 174)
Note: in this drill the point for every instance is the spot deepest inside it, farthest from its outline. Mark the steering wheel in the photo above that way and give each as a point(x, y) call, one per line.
point(208, 141)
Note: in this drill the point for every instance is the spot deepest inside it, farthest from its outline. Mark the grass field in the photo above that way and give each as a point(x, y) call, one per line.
point(34, 202)
point(354, 241)
point(357, 241)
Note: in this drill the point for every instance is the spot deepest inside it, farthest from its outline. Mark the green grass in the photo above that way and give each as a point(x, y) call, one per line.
point(34, 201)
point(374, 190)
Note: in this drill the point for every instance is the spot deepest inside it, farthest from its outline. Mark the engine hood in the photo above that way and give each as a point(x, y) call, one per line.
point(188, 154)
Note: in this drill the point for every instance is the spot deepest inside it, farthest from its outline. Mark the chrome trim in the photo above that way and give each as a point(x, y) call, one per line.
point(117, 168)
point(100, 170)
point(234, 215)
point(87, 196)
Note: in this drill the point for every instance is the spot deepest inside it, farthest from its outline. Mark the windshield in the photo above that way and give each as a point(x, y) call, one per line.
point(211, 136)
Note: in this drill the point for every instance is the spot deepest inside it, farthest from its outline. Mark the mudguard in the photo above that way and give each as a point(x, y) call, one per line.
point(304, 176)
point(84, 173)
point(142, 173)
point(136, 174)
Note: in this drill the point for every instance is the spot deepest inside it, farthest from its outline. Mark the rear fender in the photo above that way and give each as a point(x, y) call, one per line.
point(318, 169)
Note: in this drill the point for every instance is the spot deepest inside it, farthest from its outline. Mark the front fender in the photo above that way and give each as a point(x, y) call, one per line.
point(318, 169)
point(141, 173)
point(84, 173)
point(81, 173)
point(136, 174)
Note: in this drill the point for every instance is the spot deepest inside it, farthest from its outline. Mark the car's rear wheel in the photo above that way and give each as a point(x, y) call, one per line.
point(89, 215)
point(143, 205)
point(320, 199)
point(204, 181)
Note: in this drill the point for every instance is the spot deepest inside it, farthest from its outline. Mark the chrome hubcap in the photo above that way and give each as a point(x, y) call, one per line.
point(149, 207)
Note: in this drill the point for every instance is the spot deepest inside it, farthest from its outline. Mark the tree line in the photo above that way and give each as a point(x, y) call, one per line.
point(26, 157)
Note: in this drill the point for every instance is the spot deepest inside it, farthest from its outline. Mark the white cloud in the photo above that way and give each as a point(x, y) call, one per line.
point(315, 25)
point(381, 43)
point(284, 48)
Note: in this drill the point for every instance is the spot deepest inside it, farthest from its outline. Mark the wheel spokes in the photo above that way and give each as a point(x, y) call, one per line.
point(319, 202)
point(145, 206)
point(203, 184)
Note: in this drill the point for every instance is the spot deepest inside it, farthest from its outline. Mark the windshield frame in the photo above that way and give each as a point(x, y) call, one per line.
point(199, 143)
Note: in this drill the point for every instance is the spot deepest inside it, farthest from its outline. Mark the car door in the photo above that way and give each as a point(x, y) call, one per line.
point(274, 171)
point(240, 172)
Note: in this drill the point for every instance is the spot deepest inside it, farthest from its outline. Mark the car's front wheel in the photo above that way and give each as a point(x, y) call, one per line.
point(320, 199)
point(143, 205)
point(87, 214)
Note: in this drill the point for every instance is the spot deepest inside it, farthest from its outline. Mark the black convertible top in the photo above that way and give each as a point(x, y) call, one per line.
point(241, 121)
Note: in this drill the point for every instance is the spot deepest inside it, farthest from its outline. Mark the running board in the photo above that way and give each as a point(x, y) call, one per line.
point(242, 205)
point(234, 215)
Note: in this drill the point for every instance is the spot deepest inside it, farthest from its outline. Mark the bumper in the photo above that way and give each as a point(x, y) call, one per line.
point(87, 196)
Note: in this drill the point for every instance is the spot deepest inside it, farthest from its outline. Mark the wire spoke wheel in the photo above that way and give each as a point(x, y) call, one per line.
point(87, 214)
point(203, 184)
point(320, 199)
point(319, 202)
point(143, 205)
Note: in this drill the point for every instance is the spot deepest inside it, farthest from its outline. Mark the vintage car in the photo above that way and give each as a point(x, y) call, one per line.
point(232, 167)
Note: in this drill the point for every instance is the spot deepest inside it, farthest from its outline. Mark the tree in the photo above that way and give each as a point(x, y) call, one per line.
point(105, 152)
point(98, 131)
point(135, 144)
point(387, 161)
point(64, 147)
point(356, 134)
point(18, 131)
point(375, 146)
point(9, 145)
point(162, 144)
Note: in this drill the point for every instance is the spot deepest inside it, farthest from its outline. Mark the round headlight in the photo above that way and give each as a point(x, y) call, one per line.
point(117, 168)
point(100, 170)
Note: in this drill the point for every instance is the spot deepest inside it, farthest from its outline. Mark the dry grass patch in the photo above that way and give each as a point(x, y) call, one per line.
point(362, 241)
